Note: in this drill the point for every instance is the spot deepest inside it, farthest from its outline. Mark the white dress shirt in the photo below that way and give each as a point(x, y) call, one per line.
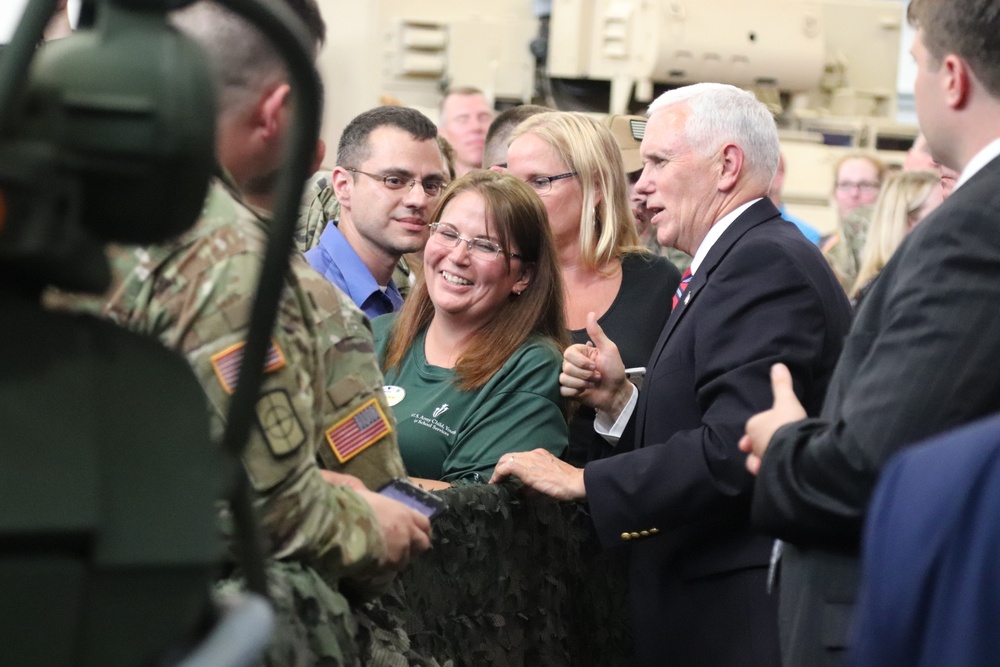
point(978, 161)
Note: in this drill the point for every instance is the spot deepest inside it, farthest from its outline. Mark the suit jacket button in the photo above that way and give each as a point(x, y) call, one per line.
point(626, 537)
point(635, 536)
point(645, 533)
point(654, 531)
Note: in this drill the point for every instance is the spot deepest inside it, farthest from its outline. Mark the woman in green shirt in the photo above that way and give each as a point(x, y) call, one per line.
point(472, 360)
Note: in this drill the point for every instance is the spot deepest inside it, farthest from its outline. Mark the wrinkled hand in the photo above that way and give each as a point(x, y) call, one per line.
point(761, 426)
point(594, 373)
point(406, 531)
point(331, 477)
point(543, 472)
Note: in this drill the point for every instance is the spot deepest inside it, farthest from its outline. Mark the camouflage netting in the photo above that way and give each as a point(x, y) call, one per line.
point(510, 580)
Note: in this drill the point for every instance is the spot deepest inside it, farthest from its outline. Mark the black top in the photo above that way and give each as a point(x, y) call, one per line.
point(634, 322)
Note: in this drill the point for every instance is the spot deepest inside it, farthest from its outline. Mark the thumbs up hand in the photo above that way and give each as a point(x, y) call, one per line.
point(594, 373)
point(785, 410)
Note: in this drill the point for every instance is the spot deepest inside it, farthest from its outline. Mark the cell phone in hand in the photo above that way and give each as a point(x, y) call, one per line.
point(414, 497)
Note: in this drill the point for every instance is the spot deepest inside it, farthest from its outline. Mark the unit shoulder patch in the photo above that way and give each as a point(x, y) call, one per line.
point(279, 423)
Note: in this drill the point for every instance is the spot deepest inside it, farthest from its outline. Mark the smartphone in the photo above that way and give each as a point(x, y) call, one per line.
point(411, 495)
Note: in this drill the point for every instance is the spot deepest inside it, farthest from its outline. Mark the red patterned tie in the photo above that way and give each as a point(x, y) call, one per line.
point(682, 287)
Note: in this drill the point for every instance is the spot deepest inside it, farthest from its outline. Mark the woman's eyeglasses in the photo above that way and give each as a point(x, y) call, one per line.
point(543, 184)
point(447, 235)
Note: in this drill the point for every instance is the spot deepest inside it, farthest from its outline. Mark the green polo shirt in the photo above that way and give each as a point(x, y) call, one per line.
point(449, 434)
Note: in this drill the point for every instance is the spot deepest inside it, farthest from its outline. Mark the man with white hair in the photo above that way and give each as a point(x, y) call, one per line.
point(756, 291)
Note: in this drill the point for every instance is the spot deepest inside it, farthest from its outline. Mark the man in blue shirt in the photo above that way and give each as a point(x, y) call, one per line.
point(774, 194)
point(388, 178)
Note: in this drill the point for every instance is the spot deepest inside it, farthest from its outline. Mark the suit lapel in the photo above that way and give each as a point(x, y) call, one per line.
point(760, 212)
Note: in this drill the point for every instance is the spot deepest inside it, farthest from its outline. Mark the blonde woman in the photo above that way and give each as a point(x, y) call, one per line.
point(906, 199)
point(574, 164)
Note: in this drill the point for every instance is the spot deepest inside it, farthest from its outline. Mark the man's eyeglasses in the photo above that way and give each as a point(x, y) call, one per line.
point(864, 186)
point(448, 236)
point(543, 184)
point(432, 188)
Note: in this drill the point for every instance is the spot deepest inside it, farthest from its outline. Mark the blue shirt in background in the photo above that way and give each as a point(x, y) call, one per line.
point(808, 230)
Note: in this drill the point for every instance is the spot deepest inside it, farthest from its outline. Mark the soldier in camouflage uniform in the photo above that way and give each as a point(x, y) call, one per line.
point(251, 87)
point(321, 394)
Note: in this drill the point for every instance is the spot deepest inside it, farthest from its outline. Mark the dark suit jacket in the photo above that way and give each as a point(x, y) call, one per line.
point(921, 357)
point(930, 594)
point(681, 501)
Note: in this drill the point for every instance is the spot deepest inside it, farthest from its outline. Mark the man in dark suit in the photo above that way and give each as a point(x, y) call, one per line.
point(758, 292)
point(930, 590)
point(922, 353)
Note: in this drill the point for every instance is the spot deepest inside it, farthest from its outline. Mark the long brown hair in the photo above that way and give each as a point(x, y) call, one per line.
point(518, 219)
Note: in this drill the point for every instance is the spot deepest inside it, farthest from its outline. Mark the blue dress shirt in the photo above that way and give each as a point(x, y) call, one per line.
point(340, 264)
point(808, 230)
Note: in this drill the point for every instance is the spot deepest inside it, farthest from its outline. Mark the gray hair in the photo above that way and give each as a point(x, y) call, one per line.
point(720, 113)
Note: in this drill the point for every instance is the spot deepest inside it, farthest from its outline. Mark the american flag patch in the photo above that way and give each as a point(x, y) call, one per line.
point(356, 432)
point(227, 363)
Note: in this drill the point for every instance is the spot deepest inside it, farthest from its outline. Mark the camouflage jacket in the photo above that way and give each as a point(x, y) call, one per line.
point(321, 392)
point(319, 206)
